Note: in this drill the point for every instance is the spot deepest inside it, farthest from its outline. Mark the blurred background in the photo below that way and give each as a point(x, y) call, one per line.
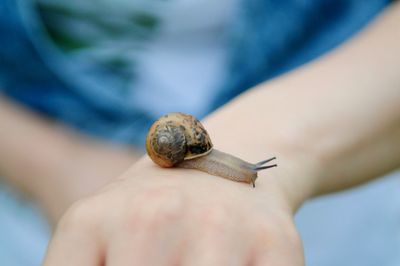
point(105, 69)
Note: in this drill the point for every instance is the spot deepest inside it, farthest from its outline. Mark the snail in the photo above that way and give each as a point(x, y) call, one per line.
point(180, 140)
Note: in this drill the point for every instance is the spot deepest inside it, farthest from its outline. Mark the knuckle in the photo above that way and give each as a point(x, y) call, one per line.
point(293, 237)
point(278, 230)
point(79, 215)
point(287, 229)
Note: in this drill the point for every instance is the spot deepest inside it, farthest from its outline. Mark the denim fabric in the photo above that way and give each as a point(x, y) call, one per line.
point(24, 233)
point(353, 228)
point(268, 38)
point(275, 36)
point(37, 74)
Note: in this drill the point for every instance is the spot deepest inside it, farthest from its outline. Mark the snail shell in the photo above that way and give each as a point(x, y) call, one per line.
point(176, 137)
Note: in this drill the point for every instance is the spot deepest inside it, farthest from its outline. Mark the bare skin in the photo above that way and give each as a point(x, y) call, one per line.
point(333, 124)
point(52, 164)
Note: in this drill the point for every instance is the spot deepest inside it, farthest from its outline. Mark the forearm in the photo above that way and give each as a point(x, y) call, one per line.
point(337, 119)
point(52, 164)
point(30, 147)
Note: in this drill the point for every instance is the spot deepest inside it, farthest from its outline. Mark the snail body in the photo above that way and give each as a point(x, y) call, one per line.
point(180, 140)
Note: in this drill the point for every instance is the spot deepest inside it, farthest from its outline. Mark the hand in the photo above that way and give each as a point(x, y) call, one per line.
point(153, 216)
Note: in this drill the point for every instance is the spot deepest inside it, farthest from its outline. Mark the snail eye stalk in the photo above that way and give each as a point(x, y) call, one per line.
point(260, 166)
point(265, 167)
point(265, 161)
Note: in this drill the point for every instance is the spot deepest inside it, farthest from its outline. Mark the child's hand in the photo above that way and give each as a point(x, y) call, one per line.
point(154, 216)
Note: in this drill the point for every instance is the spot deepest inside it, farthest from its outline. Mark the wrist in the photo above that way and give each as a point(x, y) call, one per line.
point(296, 178)
point(297, 175)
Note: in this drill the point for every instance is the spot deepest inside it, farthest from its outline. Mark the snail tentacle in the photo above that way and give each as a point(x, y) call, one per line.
point(265, 161)
point(265, 167)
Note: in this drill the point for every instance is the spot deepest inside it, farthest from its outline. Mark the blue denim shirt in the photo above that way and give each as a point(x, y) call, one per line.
point(267, 38)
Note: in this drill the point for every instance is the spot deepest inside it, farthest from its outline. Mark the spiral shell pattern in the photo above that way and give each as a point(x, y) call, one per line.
point(176, 137)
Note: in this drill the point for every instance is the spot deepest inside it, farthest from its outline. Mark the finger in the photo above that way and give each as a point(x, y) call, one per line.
point(73, 247)
point(153, 235)
point(217, 241)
